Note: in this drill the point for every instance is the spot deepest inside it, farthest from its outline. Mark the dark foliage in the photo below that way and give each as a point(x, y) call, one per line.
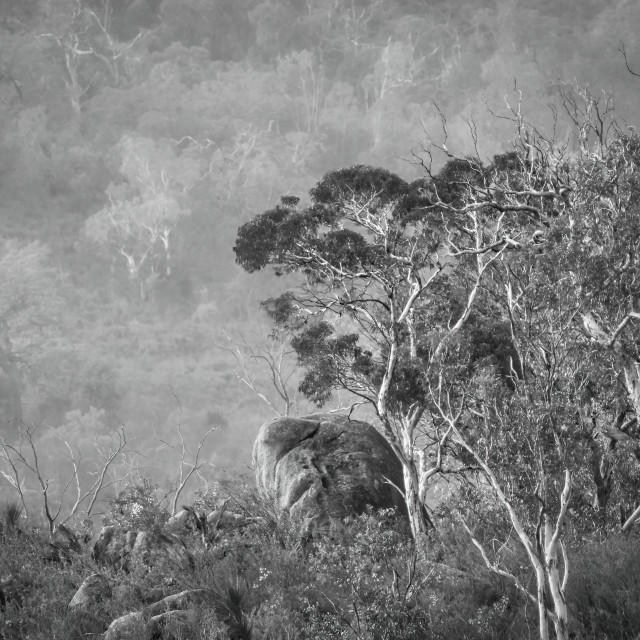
point(358, 184)
point(456, 180)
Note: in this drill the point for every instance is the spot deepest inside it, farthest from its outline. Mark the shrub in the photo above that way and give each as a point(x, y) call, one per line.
point(137, 508)
point(604, 588)
point(36, 588)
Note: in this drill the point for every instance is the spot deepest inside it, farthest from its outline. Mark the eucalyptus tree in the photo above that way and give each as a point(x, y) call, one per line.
point(562, 427)
point(389, 275)
point(145, 208)
point(600, 253)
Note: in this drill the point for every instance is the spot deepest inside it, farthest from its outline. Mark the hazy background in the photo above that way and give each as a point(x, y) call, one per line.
point(136, 136)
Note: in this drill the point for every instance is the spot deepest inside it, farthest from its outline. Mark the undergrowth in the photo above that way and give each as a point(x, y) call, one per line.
point(270, 579)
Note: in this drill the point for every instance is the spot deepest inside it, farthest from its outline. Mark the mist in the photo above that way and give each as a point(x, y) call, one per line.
point(135, 138)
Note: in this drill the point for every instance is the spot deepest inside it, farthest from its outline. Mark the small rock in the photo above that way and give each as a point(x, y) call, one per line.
point(172, 625)
point(177, 601)
point(179, 519)
point(230, 520)
point(94, 589)
point(129, 627)
point(141, 547)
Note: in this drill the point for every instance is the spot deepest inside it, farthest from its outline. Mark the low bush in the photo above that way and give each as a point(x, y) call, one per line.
point(359, 579)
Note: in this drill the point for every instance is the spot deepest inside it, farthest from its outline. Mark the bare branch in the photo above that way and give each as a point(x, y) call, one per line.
point(193, 467)
point(99, 484)
point(495, 568)
point(631, 520)
point(623, 51)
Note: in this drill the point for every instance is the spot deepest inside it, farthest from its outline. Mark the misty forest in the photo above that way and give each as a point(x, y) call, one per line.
point(319, 319)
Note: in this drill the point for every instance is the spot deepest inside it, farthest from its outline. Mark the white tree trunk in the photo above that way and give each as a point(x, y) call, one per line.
point(547, 567)
point(418, 518)
point(556, 588)
point(543, 616)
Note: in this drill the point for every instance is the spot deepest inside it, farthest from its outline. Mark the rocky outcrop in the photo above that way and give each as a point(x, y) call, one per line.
point(326, 466)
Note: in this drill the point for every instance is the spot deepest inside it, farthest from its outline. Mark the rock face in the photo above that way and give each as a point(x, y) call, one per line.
point(326, 466)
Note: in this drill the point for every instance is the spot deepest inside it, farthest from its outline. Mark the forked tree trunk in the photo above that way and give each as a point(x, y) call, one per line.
point(556, 587)
point(542, 553)
point(543, 615)
point(418, 518)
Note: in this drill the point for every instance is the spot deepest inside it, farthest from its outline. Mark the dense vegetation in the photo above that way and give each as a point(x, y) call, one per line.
point(476, 298)
point(364, 580)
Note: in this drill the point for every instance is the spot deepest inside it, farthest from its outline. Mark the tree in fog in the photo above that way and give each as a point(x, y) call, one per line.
point(144, 209)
